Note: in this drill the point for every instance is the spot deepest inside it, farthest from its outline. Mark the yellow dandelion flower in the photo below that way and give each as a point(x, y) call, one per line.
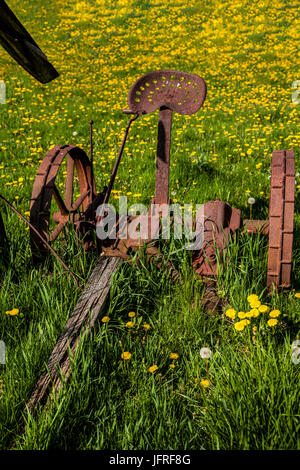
point(255, 304)
point(239, 326)
point(297, 295)
point(252, 298)
point(274, 313)
point(126, 355)
point(153, 368)
point(230, 313)
point(12, 312)
point(131, 314)
point(241, 315)
point(205, 383)
point(174, 356)
point(245, 322)
point(147, 326)
point(105, 319)
point(129, 324)
point(249, 314)
point(272, 322)
point(172, 366)
point(263, 308)
point(255, 312)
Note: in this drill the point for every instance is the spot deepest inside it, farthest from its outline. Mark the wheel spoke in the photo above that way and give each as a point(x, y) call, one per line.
point(59, 201)
point(56, 231)
point(79, 200)
point(69, 183)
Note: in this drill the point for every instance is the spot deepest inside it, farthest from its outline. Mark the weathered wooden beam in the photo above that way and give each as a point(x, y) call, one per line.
point(90, 305)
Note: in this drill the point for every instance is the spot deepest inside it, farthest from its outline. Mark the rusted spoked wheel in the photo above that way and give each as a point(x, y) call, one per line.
point(281, 219)
point(59, 197)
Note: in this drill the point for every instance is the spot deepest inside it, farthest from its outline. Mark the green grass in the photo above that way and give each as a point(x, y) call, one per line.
point(253, 399)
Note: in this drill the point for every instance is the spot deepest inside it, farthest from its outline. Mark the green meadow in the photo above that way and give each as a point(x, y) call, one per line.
point(162, 394)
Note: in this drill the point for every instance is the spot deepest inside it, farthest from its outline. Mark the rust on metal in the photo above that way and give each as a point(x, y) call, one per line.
point(168, 91)
point(181, 92)
point(117, 163)
point(256, 226)
point(211, 301)
point(281, 219)
point(220, 223)
point(91, 149)
point(45, 189)
point(163, 156)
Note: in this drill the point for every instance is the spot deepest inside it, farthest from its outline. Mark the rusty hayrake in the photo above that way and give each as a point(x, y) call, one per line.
point(76, 202)
point(169, 91)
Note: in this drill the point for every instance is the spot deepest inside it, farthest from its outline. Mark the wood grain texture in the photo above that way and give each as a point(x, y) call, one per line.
point(90, 305)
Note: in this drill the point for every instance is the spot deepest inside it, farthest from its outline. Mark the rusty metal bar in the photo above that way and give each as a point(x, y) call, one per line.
point(255, 226)
point(117, 163)
point(163, 156)
point(91, 149)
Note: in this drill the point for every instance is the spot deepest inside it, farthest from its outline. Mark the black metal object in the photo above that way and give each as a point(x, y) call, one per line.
point(21, 46)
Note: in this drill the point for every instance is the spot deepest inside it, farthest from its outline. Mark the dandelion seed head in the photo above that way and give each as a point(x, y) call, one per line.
point(205, 353)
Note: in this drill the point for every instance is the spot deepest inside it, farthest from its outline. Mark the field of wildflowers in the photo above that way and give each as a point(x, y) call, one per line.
point(157, 373)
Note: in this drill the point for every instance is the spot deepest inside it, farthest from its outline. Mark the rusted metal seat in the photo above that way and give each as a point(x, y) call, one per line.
point(169, 91)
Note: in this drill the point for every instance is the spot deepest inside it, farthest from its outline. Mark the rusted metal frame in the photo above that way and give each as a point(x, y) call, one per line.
point(220, 222)
point(44, 187)
point(69, 182)
point(70, 214)
point(117, 163)
point(59, 201)
point(184, 98)
point(41, 186)
point(281, 219)
point(91, 149)
point(163, 156)
point(40, 236)
point(276, 212)
point(92, 207)
point(181, 92)
point(288, 220)
point(256, 226)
